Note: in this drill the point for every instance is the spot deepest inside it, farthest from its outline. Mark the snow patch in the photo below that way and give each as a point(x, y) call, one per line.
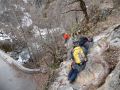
point(26, 20)
point(20, 59)
point(4, 36)
point(44, 31)
point(24, 56)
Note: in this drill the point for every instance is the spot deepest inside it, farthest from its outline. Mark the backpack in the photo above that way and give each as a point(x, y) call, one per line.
point(78, 55)
point(82, 40)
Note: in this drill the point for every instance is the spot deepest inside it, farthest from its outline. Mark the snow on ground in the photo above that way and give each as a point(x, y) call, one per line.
point(23, 56)
point(4, 36)
point(26, 20)
point(20, 60)
point(44, 31)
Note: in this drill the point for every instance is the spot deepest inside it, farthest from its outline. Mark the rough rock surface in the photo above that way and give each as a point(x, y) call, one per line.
point(97, 69)
point(113, 80)
point(51, 14)
point(56, 9)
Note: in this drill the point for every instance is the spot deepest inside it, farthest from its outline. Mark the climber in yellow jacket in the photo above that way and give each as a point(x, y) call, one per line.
point(79, 61)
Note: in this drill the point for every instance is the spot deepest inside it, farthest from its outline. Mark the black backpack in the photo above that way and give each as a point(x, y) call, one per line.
point(82, 41)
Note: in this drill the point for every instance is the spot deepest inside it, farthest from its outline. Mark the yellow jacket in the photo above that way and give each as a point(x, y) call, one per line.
point(78, 54)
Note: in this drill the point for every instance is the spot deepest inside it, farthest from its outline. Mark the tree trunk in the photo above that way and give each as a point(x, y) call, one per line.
point(84, 9)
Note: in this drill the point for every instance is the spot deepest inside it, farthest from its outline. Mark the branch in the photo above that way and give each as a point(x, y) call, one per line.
point(70, 11)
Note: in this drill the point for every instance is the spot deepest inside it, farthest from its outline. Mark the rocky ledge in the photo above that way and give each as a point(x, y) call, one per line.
point(98, 74)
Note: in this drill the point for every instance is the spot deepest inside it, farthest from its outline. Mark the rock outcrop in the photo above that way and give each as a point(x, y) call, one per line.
point(112, 82)
point(97, 68)
point(69, 15)
point(18, 15)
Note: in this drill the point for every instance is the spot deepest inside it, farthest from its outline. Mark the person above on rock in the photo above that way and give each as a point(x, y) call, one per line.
point(79, 61)
point(66, 37)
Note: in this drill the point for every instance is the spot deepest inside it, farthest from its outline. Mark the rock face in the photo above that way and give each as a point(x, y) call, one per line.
point(17, 14)
point(52, 13)
point(113, 80)
point(56, 10)
point(97, 68)
point(60, 11)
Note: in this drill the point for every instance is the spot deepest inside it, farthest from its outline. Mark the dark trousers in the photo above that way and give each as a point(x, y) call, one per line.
point(72, 74)
point(75, 71)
